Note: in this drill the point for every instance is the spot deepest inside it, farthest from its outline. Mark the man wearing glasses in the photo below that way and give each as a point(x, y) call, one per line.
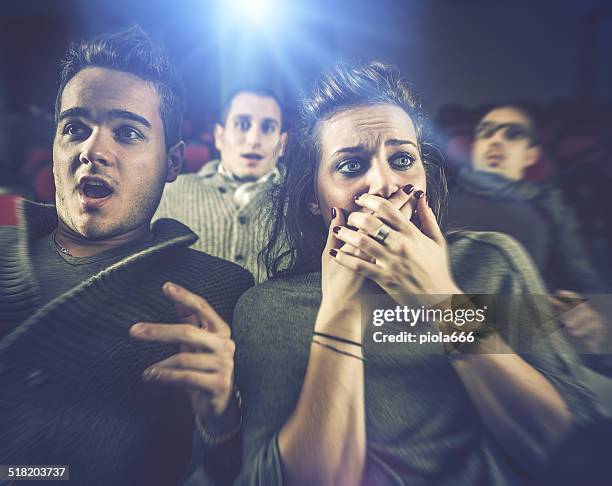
point(505, 143)
point(492, 195)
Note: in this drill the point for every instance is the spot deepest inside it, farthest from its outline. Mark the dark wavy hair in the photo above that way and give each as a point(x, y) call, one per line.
point(297, 237)
point(131, 51)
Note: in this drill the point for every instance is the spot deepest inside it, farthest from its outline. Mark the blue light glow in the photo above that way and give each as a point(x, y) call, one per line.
point(253, 13)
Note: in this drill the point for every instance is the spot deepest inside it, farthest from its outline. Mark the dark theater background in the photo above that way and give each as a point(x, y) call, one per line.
point(461, 55)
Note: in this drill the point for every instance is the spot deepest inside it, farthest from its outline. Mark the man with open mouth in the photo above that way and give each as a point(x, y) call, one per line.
point(88, 380)
point(223, 202)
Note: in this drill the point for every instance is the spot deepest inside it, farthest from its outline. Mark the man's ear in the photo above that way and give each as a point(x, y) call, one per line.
point(218, 133)
point(175, 161)
point(314, 208)
point(282, 144)
point(533, 154)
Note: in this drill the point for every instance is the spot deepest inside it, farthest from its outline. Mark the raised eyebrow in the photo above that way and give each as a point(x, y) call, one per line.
point(128, 115)
point(395, 141)
point(74, 113)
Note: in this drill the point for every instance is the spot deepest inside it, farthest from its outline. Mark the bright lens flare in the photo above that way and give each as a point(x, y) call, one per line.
point(259, 13)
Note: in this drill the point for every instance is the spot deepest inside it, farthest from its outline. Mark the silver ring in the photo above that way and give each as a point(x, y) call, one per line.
point(382, 233)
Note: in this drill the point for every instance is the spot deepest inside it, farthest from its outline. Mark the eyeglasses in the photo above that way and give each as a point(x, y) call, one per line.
point(512, 131)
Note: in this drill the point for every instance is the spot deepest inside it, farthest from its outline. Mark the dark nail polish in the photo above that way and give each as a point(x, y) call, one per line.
point(333, 252)
point(336, 229)
point(408, 189)
point(419, 194)
point(334, 213)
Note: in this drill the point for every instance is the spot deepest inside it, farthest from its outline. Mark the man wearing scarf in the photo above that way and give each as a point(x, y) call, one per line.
point(492, 195)
point(223, 202)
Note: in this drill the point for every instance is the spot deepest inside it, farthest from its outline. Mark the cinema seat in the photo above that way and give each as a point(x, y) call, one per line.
point(195, 158)
point(44, 185)
point(8, 215)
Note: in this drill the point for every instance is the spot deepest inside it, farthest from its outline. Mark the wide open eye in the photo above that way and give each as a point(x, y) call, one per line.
point(128, 133)
point(350, 167)
point(268, 127)
point(75, 130)
point(243, 125)
point(402, 160)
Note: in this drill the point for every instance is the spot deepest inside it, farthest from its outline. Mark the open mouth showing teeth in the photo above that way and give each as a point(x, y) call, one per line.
point(96, 190)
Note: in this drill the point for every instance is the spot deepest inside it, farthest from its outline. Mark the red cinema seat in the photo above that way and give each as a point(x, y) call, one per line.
point(36, 158)
point(44, 185)
point(458, 149)
point(8, 205)
point(580, 148)
point(540, 171)
point(207, 138)
point(195, 157)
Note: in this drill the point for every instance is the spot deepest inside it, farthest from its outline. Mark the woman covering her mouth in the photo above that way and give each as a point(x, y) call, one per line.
point(328, 402)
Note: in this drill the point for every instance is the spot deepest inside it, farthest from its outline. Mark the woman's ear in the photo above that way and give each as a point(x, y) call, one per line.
point(314, 208)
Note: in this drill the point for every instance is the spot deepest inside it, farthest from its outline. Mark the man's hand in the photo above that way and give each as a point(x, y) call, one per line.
point(205, 364)
point(585, 328)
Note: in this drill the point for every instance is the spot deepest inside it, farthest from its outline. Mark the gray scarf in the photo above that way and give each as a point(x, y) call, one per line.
point(498, 187)
point(545, 197)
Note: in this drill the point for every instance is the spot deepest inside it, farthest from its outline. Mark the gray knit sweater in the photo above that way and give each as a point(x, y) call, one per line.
point(70, 375)
point(421, 425)
point(205, 202)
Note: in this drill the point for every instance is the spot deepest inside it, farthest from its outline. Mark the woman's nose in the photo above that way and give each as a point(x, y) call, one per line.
point(382, 182)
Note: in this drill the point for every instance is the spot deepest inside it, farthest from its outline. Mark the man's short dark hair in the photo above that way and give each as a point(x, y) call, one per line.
point(263, 91)
point(131, 51)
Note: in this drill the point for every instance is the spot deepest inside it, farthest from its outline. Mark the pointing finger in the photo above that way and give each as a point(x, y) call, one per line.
point(187, 304)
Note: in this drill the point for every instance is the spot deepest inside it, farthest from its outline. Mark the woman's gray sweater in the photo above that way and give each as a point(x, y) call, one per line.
point(421, 425)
